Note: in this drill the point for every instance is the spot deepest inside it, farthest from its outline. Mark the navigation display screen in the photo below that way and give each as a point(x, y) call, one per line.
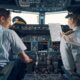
point(28, 45)
point(42, 46)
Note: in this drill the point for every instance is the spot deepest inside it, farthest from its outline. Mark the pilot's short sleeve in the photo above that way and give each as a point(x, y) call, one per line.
point(16, 43)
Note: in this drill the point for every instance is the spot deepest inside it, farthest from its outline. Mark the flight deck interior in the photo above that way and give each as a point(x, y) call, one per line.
point(42, 45)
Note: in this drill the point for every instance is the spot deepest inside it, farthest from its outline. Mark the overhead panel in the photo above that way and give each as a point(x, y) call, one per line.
point(74, 5)
point(43, 5)
point(35, 5)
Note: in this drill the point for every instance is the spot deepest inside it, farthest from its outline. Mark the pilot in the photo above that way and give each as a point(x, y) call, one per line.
point(18, 20)
point(9, 40)
point(70, 43)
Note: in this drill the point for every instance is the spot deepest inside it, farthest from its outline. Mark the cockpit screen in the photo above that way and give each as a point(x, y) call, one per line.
point(28, 45)
point(42, 46)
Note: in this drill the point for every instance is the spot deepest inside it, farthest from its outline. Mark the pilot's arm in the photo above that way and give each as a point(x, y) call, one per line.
point(25, 57)
point(18, 47)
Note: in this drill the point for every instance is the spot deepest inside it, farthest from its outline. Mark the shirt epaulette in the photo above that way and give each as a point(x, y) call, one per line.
point(69, 32)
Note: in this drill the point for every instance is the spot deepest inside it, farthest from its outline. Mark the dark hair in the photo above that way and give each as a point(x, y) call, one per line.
point(78, 22)
point(4, 12)
point(75, 14)
point(77, 19)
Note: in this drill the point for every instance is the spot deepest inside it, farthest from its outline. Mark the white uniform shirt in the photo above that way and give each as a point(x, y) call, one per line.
point(10, 40)
point(70, 49)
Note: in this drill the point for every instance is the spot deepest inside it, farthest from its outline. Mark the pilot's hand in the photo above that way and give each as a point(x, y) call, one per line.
point(67, 36)
point(29, 60)
point(25, 57)
point(62, 34)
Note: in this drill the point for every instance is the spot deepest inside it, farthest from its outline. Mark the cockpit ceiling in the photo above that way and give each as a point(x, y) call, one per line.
point(37, 5)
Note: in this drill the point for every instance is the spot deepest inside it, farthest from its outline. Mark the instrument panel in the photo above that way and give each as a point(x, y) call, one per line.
point(44, 52)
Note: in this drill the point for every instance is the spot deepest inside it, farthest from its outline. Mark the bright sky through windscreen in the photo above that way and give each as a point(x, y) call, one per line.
point(33, 17)
point(56, 18)
point(30, 18)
